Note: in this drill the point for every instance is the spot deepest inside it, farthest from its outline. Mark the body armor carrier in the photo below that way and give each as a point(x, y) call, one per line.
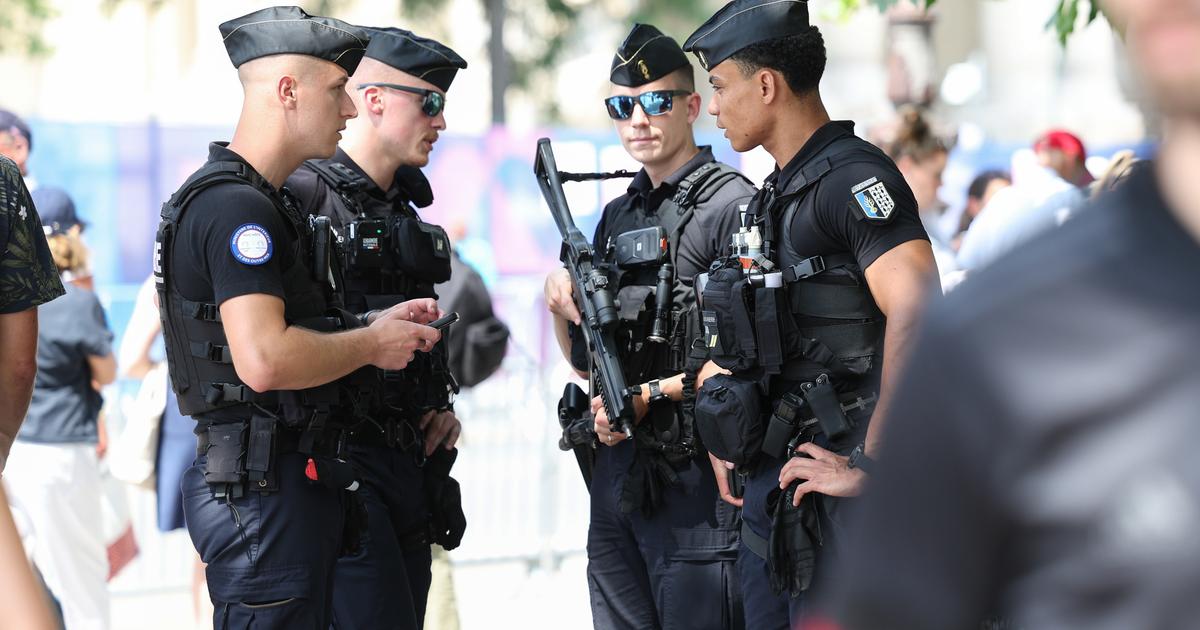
point(199, 360)
point(390, 258)
point(802, 331)
point(658, 323)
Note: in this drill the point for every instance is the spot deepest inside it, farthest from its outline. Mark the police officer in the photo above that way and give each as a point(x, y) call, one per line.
point(400, 90)
point(801, 317)
point(661, 543)
point(245, 321)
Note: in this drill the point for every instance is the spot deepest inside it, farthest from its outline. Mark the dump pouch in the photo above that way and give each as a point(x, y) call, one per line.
point(822, 398)
point(729, 418)
point(225, 451)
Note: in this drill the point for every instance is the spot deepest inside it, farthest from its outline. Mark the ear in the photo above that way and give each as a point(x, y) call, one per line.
point(693, 107)
point(373, 101)
point(285, 91)
point(767, 83)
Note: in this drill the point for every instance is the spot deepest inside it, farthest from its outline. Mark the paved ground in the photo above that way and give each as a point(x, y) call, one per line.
point(490, 595)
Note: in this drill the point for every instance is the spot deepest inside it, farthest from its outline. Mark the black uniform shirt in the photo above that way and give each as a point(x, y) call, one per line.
point(830, 219)
point(704, 239)
point(1041, 455)
point(232, 241)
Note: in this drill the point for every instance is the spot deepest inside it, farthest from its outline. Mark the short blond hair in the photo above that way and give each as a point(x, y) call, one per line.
point(69, 251)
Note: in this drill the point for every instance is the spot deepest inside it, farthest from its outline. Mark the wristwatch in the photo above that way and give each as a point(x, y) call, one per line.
point(859, 460)
point(656, 392)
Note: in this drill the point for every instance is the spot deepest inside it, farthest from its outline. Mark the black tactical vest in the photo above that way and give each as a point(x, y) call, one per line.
point(673, 430)
point(825, 319)
point(198, 356)
point(427, 382)
point(380, 287)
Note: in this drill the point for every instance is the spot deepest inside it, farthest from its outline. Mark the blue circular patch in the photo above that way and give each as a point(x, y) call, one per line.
point(251, 244)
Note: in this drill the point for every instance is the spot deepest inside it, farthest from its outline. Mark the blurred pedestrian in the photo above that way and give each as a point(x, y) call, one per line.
point(141, 357)
point(1064, 153)
point(921, 156)
point(981, 190)
point(54, 469)
point(1041, 462)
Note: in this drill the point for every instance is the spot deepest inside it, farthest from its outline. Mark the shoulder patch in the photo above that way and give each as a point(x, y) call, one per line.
point(873, 200)
point(251, 244)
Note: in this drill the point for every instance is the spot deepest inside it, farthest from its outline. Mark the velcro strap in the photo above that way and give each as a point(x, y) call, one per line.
point(211, 352)
point(831, 301)
point(769, 338)
point(201, 310)
point(845, 341)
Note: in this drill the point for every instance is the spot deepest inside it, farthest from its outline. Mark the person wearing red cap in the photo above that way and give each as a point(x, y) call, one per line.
point(1064, 153)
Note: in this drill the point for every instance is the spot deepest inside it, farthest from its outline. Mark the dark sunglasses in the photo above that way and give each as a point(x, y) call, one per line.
point(654, 103)
point(432, 102)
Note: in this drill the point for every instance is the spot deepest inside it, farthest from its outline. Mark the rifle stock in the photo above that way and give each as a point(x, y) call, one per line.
point(592, 295)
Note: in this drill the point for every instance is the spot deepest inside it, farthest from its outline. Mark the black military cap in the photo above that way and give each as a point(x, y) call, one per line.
point(289, 30)
point(742, 23)
point(421, 57)
point(646, 55)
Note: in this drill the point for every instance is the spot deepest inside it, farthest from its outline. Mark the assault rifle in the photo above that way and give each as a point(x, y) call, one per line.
point(592, 294)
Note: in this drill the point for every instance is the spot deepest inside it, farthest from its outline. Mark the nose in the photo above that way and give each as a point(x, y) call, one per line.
point(639, 118)
point(349, 109)
point(713, 109)
point(439, 121)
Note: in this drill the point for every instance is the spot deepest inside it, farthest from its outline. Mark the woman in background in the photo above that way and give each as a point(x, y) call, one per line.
point(142, 351)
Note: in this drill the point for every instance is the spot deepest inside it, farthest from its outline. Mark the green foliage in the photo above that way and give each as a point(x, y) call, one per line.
point(21, 24)
point(1066, 17)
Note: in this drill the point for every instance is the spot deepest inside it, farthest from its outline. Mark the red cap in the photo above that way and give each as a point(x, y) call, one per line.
point(1062, 140)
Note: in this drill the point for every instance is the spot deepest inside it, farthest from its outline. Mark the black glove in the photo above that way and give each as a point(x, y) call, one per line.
point(447, 522)
point(355, 525)
point(792, 547)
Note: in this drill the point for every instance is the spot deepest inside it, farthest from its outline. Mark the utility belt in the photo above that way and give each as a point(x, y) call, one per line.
point(730, 417)
point(241, 455)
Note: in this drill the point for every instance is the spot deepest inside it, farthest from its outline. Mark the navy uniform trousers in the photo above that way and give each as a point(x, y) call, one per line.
point(270, 556)
point(386, 584)
point(766, 610)
point(672, 570)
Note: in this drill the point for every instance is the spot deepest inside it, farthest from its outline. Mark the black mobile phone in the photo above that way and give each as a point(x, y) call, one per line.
point(444, 321)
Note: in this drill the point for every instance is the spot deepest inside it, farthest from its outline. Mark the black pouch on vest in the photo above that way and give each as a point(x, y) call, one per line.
point(421, 250)
point(729, 418)
point(226, 449)
point(260, 454)
point(728, 325)
point(823, 400)
point(782, 426)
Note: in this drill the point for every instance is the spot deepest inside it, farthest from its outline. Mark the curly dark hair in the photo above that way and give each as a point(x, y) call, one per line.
point(800, 58)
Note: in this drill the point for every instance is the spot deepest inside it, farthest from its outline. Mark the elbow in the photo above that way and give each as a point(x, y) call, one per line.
point(258, 372)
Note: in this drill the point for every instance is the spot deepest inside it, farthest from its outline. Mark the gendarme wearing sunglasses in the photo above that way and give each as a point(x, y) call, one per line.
point(432, 101)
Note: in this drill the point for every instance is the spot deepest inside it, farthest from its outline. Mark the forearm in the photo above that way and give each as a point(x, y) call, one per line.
point(22, 600)
point(16, 386)
point(897, 345)
point(300, 358)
